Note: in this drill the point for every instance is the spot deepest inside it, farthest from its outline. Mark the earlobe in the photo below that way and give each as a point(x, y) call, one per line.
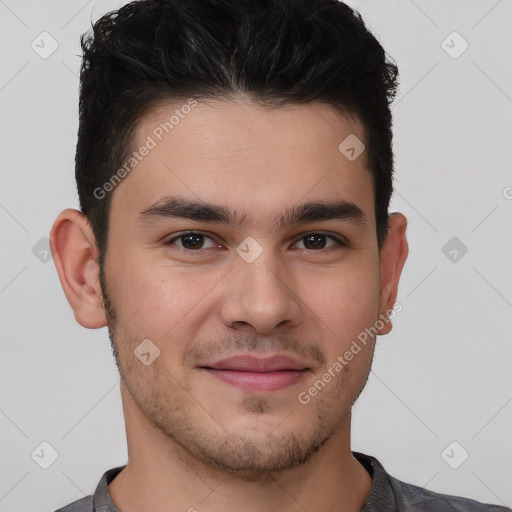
point(75, 253)
point(393, 255)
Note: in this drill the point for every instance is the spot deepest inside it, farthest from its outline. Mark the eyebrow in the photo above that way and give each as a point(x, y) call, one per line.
point(198, 210)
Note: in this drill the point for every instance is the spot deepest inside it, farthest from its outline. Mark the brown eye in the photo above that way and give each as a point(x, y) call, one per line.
point(191, 241)
point(314, 241)
point(318, 241)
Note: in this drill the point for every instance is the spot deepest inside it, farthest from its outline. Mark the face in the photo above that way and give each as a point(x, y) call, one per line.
point(255, 278)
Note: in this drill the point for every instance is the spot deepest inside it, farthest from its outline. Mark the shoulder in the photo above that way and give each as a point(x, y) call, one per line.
point(82, 505)
point(100, 500)
point(412, 497)
point(390, 494)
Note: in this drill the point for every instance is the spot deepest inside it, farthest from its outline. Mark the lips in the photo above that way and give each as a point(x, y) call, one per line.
point(258, 374)
point(254, 364)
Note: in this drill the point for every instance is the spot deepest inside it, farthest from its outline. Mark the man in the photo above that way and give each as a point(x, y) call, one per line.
point(234, 167)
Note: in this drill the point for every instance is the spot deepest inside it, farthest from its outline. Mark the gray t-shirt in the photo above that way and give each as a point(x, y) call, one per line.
point(387, 495)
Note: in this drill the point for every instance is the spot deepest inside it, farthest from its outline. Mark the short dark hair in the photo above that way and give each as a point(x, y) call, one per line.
point(276, 52)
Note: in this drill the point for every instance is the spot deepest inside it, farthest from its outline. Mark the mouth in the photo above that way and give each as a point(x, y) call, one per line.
point(258, 374)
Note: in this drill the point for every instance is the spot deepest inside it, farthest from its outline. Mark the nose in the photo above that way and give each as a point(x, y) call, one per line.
point(260, 296)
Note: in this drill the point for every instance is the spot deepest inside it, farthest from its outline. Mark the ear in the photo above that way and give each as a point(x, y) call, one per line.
point(393, 254)
point(75, 253)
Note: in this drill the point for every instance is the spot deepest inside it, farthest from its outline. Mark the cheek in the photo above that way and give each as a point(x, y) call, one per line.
point(345, 299)
point(347, 306)
point(159, 301)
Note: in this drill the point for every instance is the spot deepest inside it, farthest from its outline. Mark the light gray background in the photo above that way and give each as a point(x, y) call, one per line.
point(442, 375)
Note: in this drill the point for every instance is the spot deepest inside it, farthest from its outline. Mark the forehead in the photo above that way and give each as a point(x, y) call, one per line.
point(257, 159)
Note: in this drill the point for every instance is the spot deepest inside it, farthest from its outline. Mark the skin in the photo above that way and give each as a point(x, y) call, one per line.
point(194, 441)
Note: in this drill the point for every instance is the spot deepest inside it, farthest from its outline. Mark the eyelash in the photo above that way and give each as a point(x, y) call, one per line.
point(339, 242)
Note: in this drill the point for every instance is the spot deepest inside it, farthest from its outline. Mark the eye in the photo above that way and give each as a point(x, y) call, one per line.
point(192, 241)
point(317, 241)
